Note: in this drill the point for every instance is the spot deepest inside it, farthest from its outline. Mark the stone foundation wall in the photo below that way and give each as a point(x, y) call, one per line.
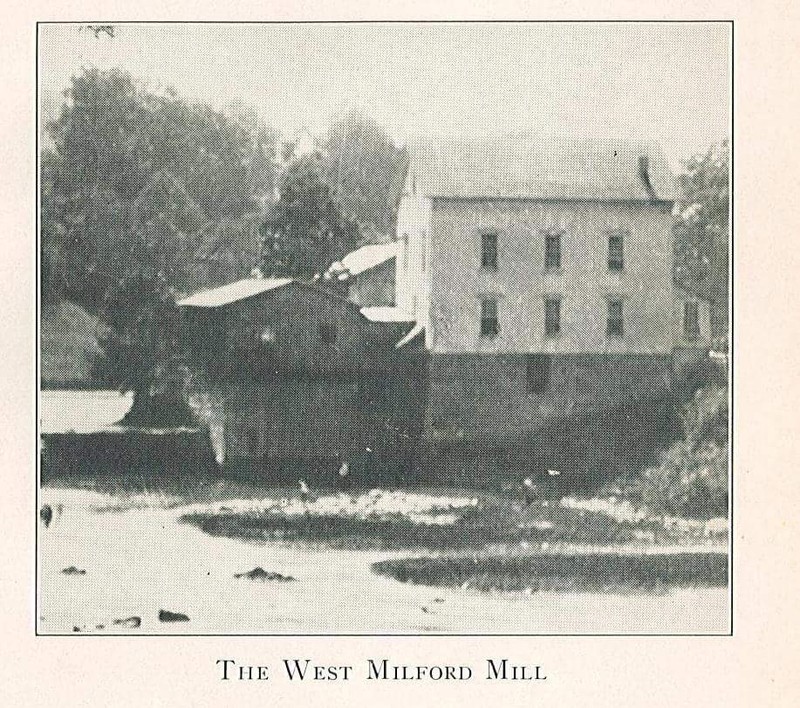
point(487, 397)
point(600, 416)
point(135, 451)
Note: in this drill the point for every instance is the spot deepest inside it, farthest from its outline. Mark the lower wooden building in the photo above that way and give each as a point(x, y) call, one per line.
point(300, 381)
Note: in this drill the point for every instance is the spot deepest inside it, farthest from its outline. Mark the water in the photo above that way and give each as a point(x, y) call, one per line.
point(143, 560)
point(81, 411)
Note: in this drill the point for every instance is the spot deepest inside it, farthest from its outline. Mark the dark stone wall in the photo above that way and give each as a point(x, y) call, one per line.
point(137, 452)
point(487, 397)
point(602, 416)
point(290, 423)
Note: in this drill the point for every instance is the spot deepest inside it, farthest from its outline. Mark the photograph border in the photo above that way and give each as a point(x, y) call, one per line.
point(731, 332)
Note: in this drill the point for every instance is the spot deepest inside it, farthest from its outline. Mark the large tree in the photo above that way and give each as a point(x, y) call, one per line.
point(365, 170)
point(111, 137)
point(305, 230)
point(133, 182)
point(142, 342)
point(702, 235)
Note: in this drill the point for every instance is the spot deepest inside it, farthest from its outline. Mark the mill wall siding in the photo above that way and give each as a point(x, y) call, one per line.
point(413, 259)
point(300, 404)
point(521, 282)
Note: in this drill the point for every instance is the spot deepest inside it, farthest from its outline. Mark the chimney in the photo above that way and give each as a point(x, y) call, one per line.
point(644, 175)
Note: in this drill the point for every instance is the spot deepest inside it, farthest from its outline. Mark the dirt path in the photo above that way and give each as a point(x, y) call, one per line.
point(141, 561)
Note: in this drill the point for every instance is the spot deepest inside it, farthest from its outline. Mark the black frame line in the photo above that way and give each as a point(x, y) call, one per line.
point(731, 323)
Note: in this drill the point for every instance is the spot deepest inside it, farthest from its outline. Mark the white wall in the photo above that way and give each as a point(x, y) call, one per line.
point(584, 282)
point(413, 263)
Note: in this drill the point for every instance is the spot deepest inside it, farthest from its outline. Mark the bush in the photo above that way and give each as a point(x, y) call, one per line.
point(692, 476)
point(690, 481)
point(694, 377)
point(706, 417)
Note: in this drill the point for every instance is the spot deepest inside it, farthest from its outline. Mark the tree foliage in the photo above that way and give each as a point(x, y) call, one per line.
point(229, 249)
point(133, 181)
point(692, 477)
point(305, 231)
point(702, 235)
point(365, 170)
point(111, 138)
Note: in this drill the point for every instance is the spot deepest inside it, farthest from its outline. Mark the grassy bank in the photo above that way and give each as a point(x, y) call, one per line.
point(602, 572)
point(68, 345)
point(383, 519)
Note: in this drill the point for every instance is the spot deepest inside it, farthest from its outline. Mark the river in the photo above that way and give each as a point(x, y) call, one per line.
point(140, 561)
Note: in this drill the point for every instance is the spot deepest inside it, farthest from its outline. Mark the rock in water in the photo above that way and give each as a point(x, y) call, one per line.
point(259, 573)
point(72, 570)
point(167, 616)
point(129, 622)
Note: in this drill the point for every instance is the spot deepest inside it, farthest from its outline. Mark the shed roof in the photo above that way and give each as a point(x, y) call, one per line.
point(537, 167)
point(386, 313)
point(233, 292)
point(370, 256)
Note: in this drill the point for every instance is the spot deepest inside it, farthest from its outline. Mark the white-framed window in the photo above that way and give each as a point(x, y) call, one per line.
point(490, 323)
point(616, 250)
point(552, 250)
point(489, 251)
point(615, 325)
point(552, 316)
point(691, 320)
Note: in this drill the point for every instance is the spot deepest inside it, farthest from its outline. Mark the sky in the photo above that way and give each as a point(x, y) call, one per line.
point(669, 82)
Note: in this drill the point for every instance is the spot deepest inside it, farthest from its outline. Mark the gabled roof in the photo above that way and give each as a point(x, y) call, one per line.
point(526, 166)
point(233, 292)
point(370, 256)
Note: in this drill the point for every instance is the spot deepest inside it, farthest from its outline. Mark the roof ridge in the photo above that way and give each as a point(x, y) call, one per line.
point(534, 167)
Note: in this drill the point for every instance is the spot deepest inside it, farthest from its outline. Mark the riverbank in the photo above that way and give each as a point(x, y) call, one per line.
point(138, 559)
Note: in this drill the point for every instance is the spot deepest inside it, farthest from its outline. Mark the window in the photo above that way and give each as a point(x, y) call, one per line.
point(489, 251)
point(552, 251)
point(538, 373)
point(615, 327)
point(616, 255)
point(552, 316)
point(327, 333)
point(691, 321)
point(405, 250)
point(489, 323)
point(267, 337)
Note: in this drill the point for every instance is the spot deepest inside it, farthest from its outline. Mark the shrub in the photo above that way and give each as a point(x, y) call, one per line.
point(692, 476)
point(690, 481)
point(706, 417)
